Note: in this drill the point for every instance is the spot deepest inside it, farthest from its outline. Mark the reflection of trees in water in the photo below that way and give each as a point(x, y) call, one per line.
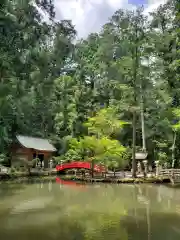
point(163, 226)
point(99, 214)
point(85, 227)
point(162, 197)
point(9, 189)
point(155, 217)
point(102, 226)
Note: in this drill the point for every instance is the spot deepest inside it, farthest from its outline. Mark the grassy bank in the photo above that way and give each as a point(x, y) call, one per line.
point(25, 177)
point(29, 179)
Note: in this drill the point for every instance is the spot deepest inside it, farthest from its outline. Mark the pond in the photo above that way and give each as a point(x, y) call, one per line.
point(61, 210)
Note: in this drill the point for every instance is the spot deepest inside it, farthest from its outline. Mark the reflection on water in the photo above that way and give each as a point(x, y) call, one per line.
point(61, 211)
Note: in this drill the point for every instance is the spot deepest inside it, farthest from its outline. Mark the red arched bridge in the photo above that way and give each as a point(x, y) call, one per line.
point(82, 165)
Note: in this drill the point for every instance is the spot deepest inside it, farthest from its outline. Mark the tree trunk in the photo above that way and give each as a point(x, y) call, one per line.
point(92, 168)
point(134, 146)
point(173, 150)
point(135, 59)
point(29, 171)
point(142, 122)
point(114, 172)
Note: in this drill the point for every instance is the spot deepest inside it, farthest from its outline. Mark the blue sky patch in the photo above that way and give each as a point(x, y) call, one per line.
point(138, 2)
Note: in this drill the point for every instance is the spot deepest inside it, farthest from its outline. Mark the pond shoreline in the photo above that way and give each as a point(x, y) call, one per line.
point(53, 177)
point(117, 180)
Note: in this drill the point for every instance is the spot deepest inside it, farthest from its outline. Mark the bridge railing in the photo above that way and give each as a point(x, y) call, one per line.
point(169, 172)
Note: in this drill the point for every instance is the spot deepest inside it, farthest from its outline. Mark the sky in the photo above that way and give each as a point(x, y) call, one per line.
point(89, 15)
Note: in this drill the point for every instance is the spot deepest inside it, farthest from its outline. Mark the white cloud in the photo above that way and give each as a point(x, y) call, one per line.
point(89, 15)
point(154, 5)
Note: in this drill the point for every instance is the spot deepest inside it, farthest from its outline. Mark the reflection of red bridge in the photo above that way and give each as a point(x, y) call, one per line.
point(82, 165)
point(70, 183)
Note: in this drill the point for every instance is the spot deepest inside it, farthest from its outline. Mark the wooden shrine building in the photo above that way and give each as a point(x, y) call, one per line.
point(29, 148)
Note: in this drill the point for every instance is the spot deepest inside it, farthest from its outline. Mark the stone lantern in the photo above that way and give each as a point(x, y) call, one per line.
point(51, 164)
point(145, 162)
point(142, 163)
point(157, 167)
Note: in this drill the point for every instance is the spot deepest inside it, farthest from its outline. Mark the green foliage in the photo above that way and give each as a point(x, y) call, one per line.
point(176, 113)
point(98, 147)
point(29, 66)
point(73, 155)
point(51, 86)
point(102, 150)
point(28, 164)
point(112, 150)
point(58, 159)
point(105, 123)
point(162, 157)
point(64, 105)
point(3, 159)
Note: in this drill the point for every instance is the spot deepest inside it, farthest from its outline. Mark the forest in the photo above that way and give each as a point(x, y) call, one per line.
point(104, 97)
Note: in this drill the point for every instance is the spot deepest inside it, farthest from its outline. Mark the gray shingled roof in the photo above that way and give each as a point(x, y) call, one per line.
point(36, 143)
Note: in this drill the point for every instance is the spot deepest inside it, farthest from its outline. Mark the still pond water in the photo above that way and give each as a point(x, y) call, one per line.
point(84, 212)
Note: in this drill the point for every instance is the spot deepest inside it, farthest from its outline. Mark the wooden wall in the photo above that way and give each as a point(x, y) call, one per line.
point(19, 152)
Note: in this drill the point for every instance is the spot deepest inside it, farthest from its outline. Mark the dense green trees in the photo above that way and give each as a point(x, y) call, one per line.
point(100, 146)
point(51, 86)
point(33, 54)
